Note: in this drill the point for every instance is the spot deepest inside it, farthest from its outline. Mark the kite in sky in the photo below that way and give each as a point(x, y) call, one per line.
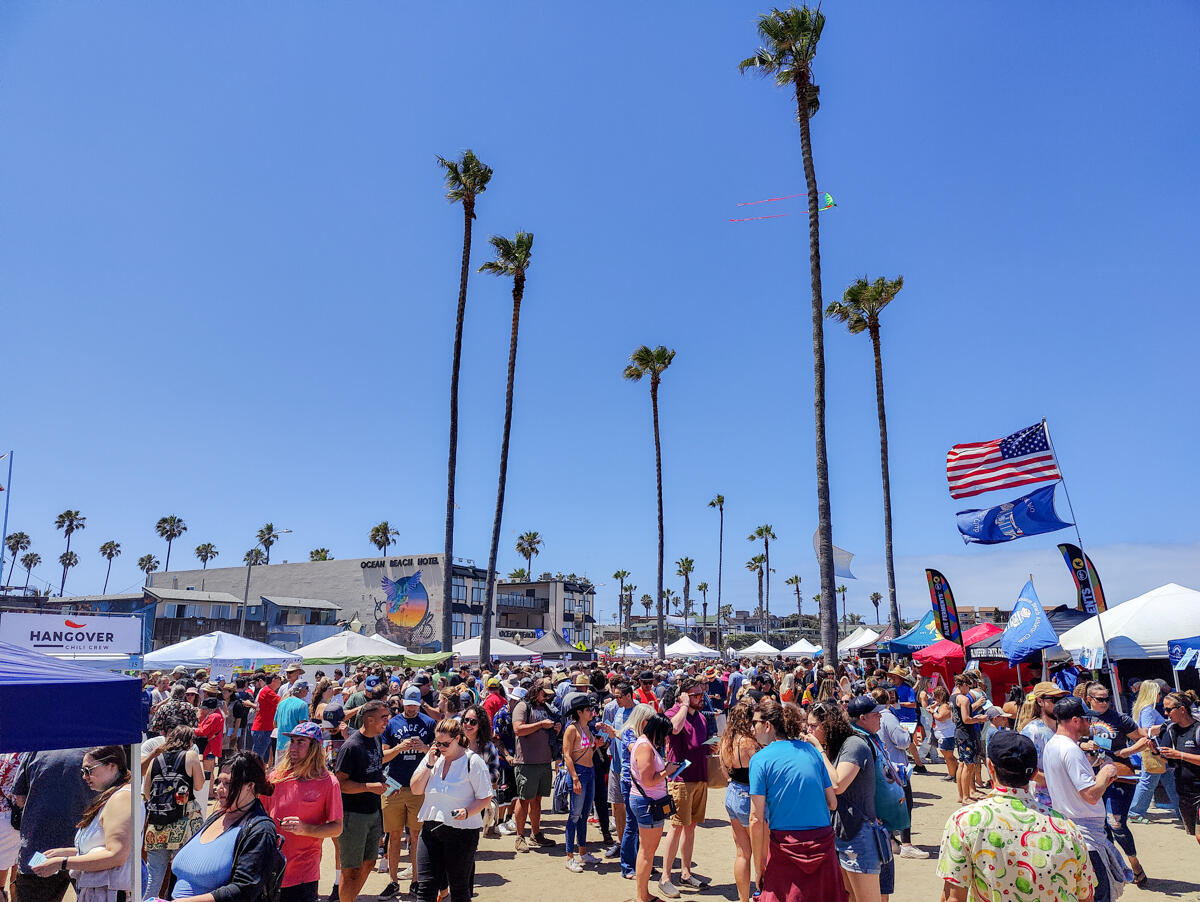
point(826, 203)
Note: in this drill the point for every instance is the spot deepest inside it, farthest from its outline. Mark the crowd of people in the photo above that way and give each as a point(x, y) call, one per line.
point(247, 782)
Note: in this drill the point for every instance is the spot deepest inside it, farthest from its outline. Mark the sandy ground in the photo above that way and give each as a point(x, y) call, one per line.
point(1170, 857)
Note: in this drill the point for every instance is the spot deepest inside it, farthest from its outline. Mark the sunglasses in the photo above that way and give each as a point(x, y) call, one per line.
point(443, 745)
point(1100, 698)
point(1171, 708)
point(87, 769)
point(472, 721)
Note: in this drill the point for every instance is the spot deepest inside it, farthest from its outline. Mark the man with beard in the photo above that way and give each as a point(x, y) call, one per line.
point(689, 788)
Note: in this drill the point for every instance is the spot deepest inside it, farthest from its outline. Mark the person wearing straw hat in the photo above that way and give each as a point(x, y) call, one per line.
point(906, 711)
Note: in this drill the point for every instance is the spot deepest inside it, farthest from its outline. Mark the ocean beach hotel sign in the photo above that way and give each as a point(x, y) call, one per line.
point(57, 634)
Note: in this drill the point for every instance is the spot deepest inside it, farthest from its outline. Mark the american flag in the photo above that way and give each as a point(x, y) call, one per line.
point(1022, 458)
point(535, 658)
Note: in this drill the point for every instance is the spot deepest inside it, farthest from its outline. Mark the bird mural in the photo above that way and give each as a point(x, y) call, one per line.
point(407, 600)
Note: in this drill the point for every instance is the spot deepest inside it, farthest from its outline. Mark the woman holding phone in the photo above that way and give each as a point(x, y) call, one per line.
point(648, 776)
point(457, 787)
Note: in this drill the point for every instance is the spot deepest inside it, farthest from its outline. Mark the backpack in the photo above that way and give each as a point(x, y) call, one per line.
point(163, 805)
point(889, 789)
point(276, 864)
point(560, 799)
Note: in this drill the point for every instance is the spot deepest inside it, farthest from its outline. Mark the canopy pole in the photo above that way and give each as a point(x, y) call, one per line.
point(135, 800)
point(1112, 673)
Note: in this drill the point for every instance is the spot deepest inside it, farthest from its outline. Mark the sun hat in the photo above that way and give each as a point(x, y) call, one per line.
point(293, 667)
point(1048, 690)
point(306, 730)
point(899, 671)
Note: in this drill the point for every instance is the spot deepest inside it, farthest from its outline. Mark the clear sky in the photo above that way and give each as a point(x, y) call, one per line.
point(229, 278)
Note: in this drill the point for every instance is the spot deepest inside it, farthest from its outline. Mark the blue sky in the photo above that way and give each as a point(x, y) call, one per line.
point(230, 276)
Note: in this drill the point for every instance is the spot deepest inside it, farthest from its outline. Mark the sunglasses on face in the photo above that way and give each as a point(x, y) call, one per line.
point(87, 769)
point(443, 745)
point(472, 722)
point(1171, 708)
point(1100, 698)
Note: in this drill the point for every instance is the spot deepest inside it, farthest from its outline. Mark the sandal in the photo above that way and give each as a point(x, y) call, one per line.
point(1139, 878)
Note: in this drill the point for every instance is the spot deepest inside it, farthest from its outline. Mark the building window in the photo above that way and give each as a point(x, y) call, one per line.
point(477, 591)
point(220, 611)
point(458, 589)
point(457, 626)
point(476, 626)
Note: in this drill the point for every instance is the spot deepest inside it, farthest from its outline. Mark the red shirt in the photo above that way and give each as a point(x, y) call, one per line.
point(316, 801)
point(212, 728)
point(493, 703)
point(264, 717)
point(647, 697)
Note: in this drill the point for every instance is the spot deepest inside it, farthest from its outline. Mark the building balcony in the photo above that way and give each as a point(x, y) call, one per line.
point(169, 630)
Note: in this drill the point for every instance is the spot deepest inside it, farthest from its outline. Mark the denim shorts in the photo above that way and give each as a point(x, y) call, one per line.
point(947, 744)
point(639, 810)
point(869, 852)
point(737, 802)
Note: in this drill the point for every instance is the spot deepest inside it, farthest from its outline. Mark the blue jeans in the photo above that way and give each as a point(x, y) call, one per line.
point(260, 743)
point(1116, 802)
point(630, 838)
point(581, 807)
point(1103, 890)
point(1144, 794)
point(156, 861)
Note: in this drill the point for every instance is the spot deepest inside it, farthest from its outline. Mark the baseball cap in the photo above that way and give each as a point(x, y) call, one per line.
point(422, 679)
point(995, 711)
point(493, 683)
point(372, 682)
point(518, 693)
point(412, 694)
point(300, 686)
point(1048, 690)
point(307, 730)
point(1066, 708)
point(1013, 753)
point(863, 705)
point(646, 677)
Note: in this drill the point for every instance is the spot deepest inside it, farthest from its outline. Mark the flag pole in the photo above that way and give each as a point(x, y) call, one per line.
point(4, 530)
point(1112, 673)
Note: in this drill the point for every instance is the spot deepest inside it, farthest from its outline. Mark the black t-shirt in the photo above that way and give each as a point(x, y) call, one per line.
point(1187, 740)
point(361, 759)
point(1120, 724)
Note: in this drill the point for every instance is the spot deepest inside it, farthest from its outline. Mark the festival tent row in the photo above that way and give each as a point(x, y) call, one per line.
point(946, 659)
point(552, 645)
point(802, 647)
point(1061, 619)
point(759, 649)
point(349, 647)
point(860, 638)
point(630, 651)
point(1141, 627)
point(73, 693)
point(502, 650)
point(219, 653)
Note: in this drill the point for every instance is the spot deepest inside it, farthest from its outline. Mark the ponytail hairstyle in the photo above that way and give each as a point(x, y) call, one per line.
point(106, 754)
point(180, 739)
point(247, 769)
point(785, 720)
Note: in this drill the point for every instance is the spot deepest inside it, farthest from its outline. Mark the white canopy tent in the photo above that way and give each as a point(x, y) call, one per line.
point(1140, 627)
point(220, 653)
point(502, 650)
point(686, 647)
point(760, 648)
point(350, 646)
point(801, 647)
point(630, 651)
point(861, 637)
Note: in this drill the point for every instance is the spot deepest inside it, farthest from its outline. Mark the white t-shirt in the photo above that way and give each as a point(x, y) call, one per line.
point(1067, 773)
point(467, 781)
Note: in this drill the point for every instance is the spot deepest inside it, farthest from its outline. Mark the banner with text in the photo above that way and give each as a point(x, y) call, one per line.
point(56, 634)
point(944, 606)
point(1087, 580)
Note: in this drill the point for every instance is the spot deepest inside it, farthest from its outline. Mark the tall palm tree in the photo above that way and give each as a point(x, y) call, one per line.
point(842, 590)
point(620, 576)
point(789, 43)
point(252, 558)
point(724, 612)
point(382, 536)
point(68, 559)
point(765, 533)
point(268, 536)
point(15, 542)
point(529, 546)
point(719, 503)
point(875, 599)
point(794, 582)
point(647, 602)
point(519, 575)
point(684, 567)
point(206, 553)
point(320, 554)
point(702, 588)
point(69, 522)
point(653, 363)
point(109, 550)
point(513, 258)
point(148, 563)
point(465, 180)
point(170, 528)
point(29, 561)
point(859, 309)
point(627, 606)
point(755, 565)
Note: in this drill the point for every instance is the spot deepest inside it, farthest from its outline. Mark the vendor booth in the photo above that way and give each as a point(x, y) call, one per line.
point(801, 647)
point(630, 651)
point(947, 659)
point(859, 639)
point(1185, 658)
point(553, 645)
point(1141, 627)
point(760, 649)
point(924, 634)
point(502, 650)
point(221, 654)
point(687, 647)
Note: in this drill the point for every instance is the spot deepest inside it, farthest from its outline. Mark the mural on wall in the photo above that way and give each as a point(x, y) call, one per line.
point(404, 616)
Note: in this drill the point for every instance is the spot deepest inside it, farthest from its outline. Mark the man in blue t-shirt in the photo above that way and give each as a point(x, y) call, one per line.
point(791, 777)
point(906, 711)
point(406, 739)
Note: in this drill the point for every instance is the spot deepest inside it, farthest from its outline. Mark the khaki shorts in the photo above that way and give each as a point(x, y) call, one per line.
point(690, 800)
point(400, 810)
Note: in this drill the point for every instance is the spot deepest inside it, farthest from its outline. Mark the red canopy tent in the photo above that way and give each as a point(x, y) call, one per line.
point(947, 659)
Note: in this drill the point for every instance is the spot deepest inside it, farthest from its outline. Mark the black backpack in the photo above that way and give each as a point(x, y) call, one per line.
point(163, 806)
point(276, 864)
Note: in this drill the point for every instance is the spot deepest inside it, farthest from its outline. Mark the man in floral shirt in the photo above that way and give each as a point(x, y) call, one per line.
point(1007, 845)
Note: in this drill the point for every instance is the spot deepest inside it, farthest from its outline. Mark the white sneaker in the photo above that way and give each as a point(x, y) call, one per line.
point(574, 866)
point(406, 874)
point(913, 852)
point(669, 890)
point(505, 830)
point(510, 825)
point(589, 858)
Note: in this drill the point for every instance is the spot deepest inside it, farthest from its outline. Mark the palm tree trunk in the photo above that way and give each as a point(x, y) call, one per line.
point(485, 641)
point(720, 563)
point(893, 604)
point(12, 567)
point(167, 566)
point(662, 645)
point(829, 629)
point(107, 573)
point(452, 462)
point(767, 566)
point(762, 623)
point(64, 576)
point(28, 573)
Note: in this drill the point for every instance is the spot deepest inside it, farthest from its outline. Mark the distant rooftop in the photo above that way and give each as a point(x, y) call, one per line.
point(191, 595)
point(285, 601)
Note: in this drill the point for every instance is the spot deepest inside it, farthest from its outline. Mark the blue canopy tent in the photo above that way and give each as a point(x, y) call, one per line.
point(86, 707)
point(1062, 618)
point(924, 634)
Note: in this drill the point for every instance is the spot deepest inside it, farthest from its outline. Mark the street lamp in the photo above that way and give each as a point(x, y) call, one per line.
point(246, 592)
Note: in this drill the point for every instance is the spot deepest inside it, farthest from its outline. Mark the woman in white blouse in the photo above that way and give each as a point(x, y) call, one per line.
point(457, 787)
